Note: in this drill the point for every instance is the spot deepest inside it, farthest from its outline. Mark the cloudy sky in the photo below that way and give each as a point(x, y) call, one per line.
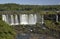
point(32, 2)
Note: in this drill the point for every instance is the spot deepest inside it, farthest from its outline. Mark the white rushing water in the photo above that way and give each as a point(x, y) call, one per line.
point(56, 18)
point(28, 19)
point(32, 19)
point(16, 20)
point(24, 19)
point(5, 18)
point(12, 20)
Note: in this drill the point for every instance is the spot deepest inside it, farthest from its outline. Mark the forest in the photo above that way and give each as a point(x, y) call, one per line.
point(12, 6)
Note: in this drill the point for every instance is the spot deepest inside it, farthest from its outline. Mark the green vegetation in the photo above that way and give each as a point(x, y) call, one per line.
point(52, 25)
point(42, 9)
point(30, 8)
point(12, 6)
point(6, 31)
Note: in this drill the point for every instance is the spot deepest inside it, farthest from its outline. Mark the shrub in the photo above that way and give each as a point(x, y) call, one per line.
point(6, 31)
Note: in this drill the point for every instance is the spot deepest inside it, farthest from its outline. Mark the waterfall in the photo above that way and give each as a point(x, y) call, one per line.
point(42, 19)
point(56, 18)
point(4, 18)
point(23, 19)
point(35, 18)
point(28, 19)
point(16, 20)
point(32, 19)
point(12, 20)
point(9, 19)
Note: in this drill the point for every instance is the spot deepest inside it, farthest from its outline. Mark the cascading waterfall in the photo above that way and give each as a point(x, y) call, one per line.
point(42, 19)
point(35, 18)
point(12, 20)
point(9, 19)
point(16, 20)
point(56, 18)
point(28, 19)
point(4, 18)
point(32, 19)
point(22, 19)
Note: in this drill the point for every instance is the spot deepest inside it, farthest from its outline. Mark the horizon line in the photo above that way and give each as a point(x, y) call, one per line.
point(29, 4)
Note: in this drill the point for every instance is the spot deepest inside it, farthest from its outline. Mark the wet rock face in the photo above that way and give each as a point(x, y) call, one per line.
point(50, 17)
point(59, 17)
point(34, 36)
